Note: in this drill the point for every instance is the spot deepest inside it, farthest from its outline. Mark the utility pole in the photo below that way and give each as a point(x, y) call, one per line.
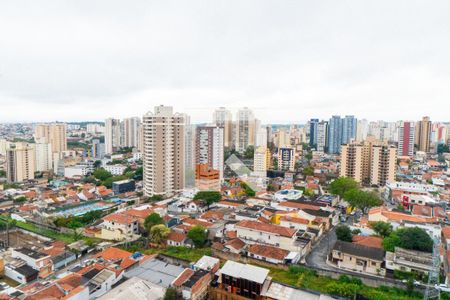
point(433, 276)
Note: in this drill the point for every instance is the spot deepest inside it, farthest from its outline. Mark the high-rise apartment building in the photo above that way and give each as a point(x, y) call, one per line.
point(245, 129)
point(313, 132)
point(370, 162)
point(348, 129)
point(334, 134)
point(322, 136)
point(20, 162)
point(423, 134)
point(222, 117)
point(164, 151)
point(130, 132)
point(406, 136)
point(189, 152)
point(261, 161)
point(209, 147)
point(362, 130)
point(383, 164)
point(112, 135)
point(43, 156)
point(97, 149)
point(286, 159)
point(54, 134)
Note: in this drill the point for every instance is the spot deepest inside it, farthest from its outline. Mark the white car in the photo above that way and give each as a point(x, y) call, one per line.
point(442, 287)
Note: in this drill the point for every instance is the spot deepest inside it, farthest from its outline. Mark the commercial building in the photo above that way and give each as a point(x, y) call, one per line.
point(313, 132)
point(20, 162)
point(164, 147)
point(223, 118)
point(123, 186)
point(406, 138)
point(54, 134)
point(334, 134)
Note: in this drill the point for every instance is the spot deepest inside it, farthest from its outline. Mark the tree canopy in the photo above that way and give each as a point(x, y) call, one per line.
point(381, 228)
point(362, 199)
point(158, 233)
point(102, 174)
point(209, 197)
point(198, 235)
point(344, 233)
point(412, 238)
point(342, 185)
point(152, 220)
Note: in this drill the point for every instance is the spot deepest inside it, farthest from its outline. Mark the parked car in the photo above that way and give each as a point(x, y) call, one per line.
point(442, 287)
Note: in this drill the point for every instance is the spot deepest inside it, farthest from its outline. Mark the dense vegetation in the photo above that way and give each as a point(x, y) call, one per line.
point(413, 238)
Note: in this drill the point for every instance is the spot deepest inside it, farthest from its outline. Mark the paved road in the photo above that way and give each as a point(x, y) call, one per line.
point(318, 255)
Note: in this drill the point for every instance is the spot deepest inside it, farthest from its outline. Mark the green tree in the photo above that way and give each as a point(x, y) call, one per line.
point(171, 294)
point(412, 238)
point(97, 164)
point(362, 199)
point(344, 233)
point(343, 184)
point(2, 173)
point(249, 152)
point(442, 148)
point(308, 171)
point(198, 235)
point(20, 199)
point(248, 190)
point(102, 174)
point(152, 220)
point(209, 197)
point(381, 228)
point(158, 233)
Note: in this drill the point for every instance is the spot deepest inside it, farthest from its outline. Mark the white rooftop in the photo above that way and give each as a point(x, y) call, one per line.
point(248, 272)
point(206, 263)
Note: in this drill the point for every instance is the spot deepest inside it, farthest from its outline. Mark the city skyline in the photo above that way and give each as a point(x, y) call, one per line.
point(305, 60)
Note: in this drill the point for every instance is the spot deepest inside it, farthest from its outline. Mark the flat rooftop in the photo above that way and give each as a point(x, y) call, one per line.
point(156, 271)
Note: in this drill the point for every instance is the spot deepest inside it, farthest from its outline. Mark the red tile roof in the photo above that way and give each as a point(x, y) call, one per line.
point(236, 244)
point(185, 275)
point(369, 241)
point(258, 226)
point(176, 236)
point(268, 251)
point(120, 218)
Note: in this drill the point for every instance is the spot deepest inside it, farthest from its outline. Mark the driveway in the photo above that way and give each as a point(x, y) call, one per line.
point(318, 255)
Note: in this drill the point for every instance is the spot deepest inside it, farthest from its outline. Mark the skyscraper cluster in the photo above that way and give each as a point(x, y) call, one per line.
point(125, 133)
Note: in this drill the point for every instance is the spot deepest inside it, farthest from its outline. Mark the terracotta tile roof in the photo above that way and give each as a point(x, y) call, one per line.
point(231, 234)
point(185, 275)
point(194, 222)
point(422, 210)
point(51, 292)
point(140, 213)
point(70, 281)
point(120, 218)
point(446, 232)
point(439, 212)
point(299, 205)
point(369, 241)
point(176, 236)
point(294, 220)
point(236, 244)
point(113, 254)
point(213, 214)
point(268, 251)
point(228, 203)
point(258, 226)
point(399, 216)
point(263, 220)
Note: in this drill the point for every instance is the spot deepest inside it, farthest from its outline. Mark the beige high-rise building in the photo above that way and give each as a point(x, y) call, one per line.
point(371, 162)
point(261, 161)
point(164, 147)
point(20, 162)
point(141, 138)
point(43, 156)
point(130, 132)
point(54, 134)
point(223, 118)
point(112, 135)
point(383, 164)
point(423, 134)
point(245, 129)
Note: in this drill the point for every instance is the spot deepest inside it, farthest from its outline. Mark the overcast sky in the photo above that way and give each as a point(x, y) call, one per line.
point(288, 60)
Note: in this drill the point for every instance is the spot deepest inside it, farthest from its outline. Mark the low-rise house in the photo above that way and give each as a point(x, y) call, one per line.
point(273, 254)
point(268, 234)
point(118, 227)
point(37, 260)
point(176, 238)
point(357, 258)
point(235, 246)
point(405, 260)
